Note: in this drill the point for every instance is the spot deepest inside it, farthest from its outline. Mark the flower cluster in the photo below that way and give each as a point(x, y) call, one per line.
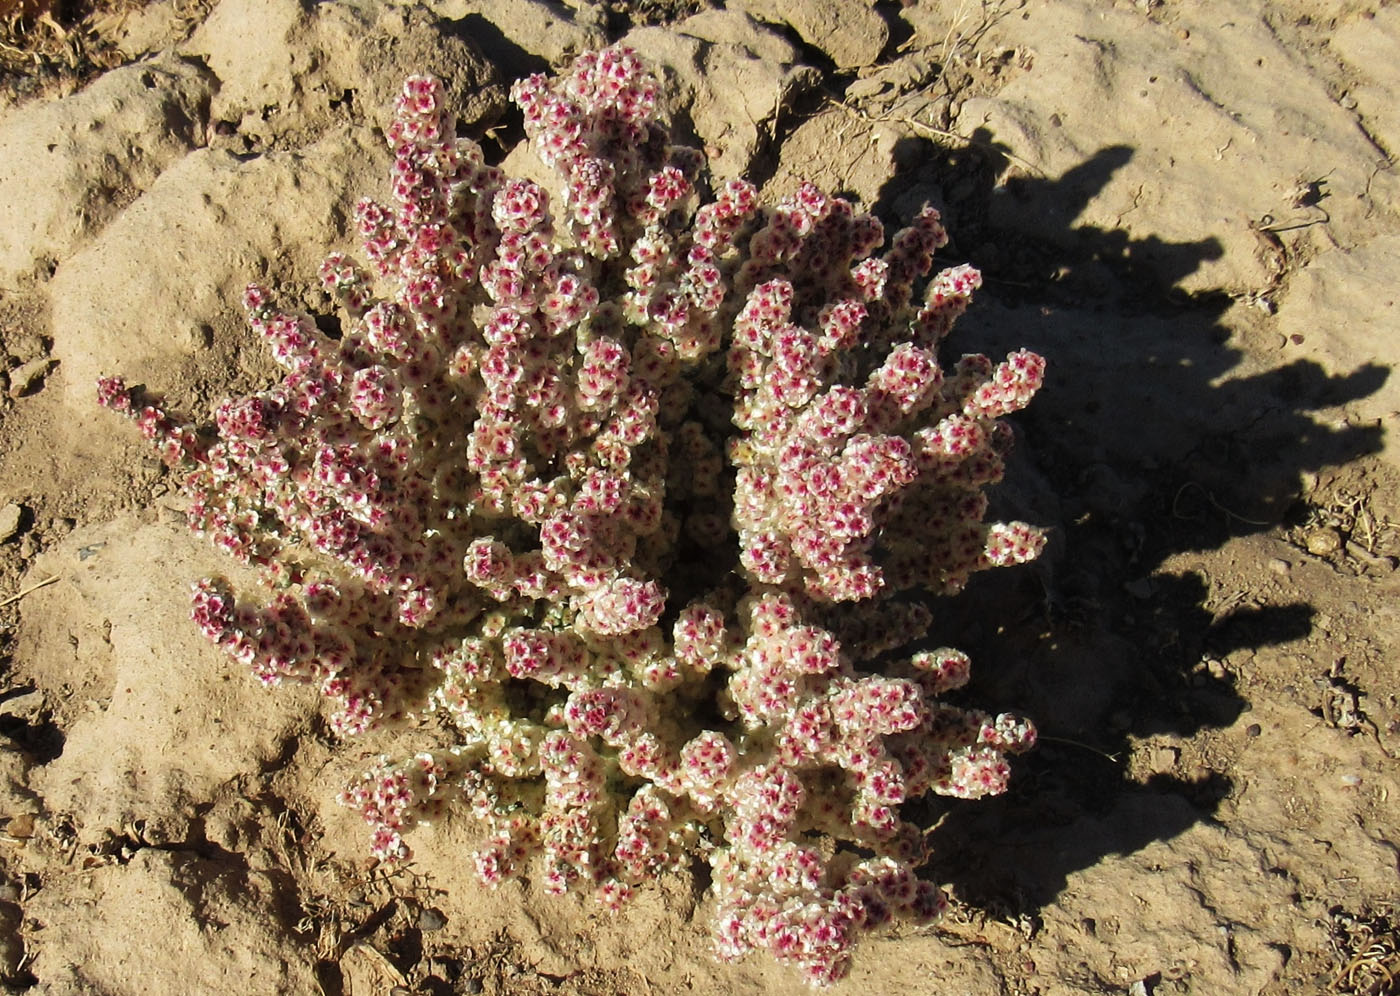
point(627, 491)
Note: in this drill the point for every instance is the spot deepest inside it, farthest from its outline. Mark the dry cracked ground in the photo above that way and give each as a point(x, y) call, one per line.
point(1191, 207)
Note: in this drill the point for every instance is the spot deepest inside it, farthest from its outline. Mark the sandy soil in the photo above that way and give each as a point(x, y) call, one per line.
point(1192, 209)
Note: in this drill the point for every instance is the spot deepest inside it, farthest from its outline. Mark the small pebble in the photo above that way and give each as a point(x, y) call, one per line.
point(24, 704)
point(10, 517)
point(26, 376)
point(1253, 730)
point(430, 919)
point(1164, 759)
point(11, 951)
point(1280, 566)
point(199, 335)
point(1141, 588)
point(1324, 542)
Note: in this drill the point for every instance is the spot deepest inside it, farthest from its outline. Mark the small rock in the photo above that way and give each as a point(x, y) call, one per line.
point(1164, 759)
point(1253, 730)
point(869, 87)
point(851, 34)
point(23, 705)
point(1323, 542)
point(26, 376)
point(553, 32)
point(10, 517)
point(1279, 566)
point(11, 946)
point(431, 919)
point(1141, 588)
point(199, 334)
point(731, 77)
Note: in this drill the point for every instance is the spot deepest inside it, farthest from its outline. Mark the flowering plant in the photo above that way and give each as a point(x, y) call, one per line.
point(633, 495)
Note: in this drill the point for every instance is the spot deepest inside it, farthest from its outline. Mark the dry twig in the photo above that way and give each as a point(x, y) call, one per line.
point(25, 591)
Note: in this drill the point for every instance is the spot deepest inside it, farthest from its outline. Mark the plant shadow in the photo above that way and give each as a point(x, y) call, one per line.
point(1151, 438)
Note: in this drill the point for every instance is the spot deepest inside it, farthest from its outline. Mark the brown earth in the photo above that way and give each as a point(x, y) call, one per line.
point(1192, 209)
